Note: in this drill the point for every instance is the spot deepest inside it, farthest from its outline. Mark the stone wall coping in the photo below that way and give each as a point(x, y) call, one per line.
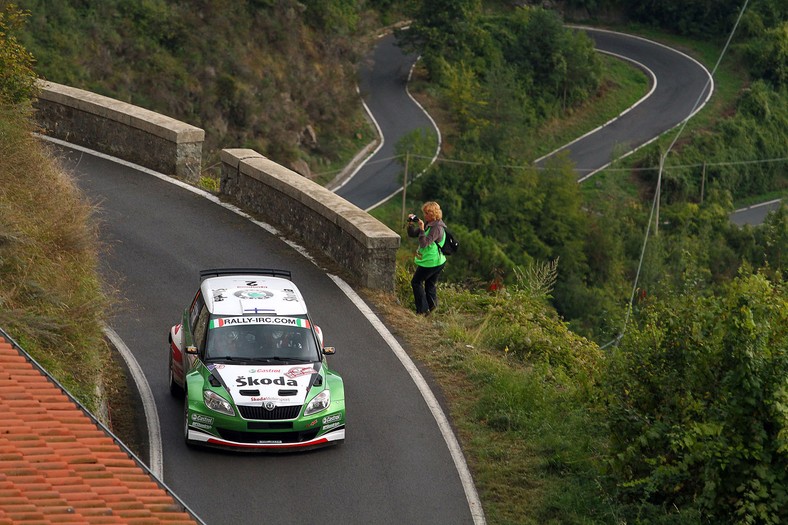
point(367, 230)
point(123, 112)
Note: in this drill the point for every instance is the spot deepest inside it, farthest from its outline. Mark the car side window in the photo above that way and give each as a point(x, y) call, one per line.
point(197, 305)
point(200, 327)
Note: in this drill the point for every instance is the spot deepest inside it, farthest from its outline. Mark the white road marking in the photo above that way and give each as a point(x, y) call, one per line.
point(432, 402)
point(156, 459)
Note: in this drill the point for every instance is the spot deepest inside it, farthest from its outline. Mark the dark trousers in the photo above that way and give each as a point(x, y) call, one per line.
point(425, 291)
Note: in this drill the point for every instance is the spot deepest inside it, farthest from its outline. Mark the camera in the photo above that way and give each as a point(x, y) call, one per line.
point(412, 218)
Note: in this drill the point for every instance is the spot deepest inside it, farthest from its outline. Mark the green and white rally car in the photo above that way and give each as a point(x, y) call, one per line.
point(251, 366)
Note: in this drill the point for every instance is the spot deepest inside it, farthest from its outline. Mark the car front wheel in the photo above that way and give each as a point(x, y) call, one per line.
point(186, 420)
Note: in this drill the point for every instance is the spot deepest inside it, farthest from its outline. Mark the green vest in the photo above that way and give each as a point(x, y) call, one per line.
point(431, 255)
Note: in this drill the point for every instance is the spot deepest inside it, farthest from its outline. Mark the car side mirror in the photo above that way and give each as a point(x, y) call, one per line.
point(191, 349)
point(329, 350)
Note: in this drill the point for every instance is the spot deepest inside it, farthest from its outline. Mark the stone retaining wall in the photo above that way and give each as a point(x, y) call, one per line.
point(360, 244)
point(120, 129)
point(362, 247)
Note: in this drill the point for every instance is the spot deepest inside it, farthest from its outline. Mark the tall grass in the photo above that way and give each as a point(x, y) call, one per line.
point(521, 390)
point(50, 296)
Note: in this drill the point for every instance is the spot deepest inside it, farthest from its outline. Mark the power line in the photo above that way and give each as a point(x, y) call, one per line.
point(655, 203)
point(666, 168)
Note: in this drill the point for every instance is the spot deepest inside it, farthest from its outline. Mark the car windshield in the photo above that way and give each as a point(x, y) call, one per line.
point(271, 338)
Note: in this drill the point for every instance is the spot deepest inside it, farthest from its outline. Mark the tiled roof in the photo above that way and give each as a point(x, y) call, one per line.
point(58, 465)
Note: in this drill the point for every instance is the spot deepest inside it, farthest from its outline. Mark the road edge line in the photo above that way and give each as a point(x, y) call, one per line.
point(156, 456)
point(472, 496)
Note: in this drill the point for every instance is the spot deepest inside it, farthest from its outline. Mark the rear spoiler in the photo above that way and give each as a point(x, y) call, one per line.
point(216, 272)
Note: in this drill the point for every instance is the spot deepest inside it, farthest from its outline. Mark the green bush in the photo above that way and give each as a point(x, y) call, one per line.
point(17, 79)
point(698, 407)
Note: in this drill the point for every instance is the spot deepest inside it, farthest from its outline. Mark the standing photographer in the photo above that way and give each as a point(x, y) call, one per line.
point(429, 259)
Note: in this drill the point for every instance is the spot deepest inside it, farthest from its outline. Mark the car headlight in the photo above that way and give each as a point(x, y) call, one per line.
point(318, 403)
point(216, 402)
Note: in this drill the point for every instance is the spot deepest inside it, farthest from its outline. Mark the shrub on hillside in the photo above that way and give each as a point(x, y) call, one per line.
point(17, 80)
point(698, 406)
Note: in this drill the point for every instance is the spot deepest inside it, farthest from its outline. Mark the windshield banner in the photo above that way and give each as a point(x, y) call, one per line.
point(282, 321)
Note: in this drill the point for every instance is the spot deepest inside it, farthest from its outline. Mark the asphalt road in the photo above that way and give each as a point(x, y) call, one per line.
point(394, 466)
point(383, 83)
point(755, 214)
point(680, 88)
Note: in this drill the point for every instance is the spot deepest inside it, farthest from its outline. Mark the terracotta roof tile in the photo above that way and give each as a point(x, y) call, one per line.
point(57, 465)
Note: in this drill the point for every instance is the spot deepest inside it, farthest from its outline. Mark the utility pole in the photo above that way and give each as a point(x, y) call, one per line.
point(405, 185)
point(703, 182)
point(659, 191)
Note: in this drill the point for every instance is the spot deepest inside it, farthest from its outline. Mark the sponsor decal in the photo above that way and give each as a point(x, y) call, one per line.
point(265, 371)
point(199, 418)
point(253, 294)
point(332, 425)
point(202, 426)
point(218, 295)
point(312, 423)
point(213, 366)
point(261, 381)
point(269, 442)
point(289, 295)
point(285, 321)
point(269, 399)
point(331, 418)
point(299, 371)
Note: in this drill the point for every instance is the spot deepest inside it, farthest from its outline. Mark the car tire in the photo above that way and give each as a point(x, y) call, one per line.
point(175, 389)
point(186, 421)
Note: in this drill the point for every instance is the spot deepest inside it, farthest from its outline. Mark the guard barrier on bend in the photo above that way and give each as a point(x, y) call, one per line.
point(120, 129)
point(363, 249)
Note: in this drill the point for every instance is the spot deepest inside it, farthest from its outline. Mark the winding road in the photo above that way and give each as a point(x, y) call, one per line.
point(680, 86)
point(399, 463)
point(383, 82)
point(395, 466)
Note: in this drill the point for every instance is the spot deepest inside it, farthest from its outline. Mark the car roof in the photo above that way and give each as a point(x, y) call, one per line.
point(252, 294)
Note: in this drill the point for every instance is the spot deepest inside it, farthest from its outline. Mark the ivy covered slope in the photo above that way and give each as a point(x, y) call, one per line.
point(274, 76)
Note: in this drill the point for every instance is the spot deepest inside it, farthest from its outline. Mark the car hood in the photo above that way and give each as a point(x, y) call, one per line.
point(255, 385)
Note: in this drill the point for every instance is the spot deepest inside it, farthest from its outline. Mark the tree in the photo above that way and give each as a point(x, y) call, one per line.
point(446, 32)
point(552, 59)
point(768, 55)
point(17, 78)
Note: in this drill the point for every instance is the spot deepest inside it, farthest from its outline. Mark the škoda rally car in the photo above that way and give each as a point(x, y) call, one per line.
point(251, 366)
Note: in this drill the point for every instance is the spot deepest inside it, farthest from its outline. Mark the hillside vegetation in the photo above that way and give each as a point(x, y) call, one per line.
point(51, 300)
point(274, 76)
point(519, 72)
point(684, 418)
